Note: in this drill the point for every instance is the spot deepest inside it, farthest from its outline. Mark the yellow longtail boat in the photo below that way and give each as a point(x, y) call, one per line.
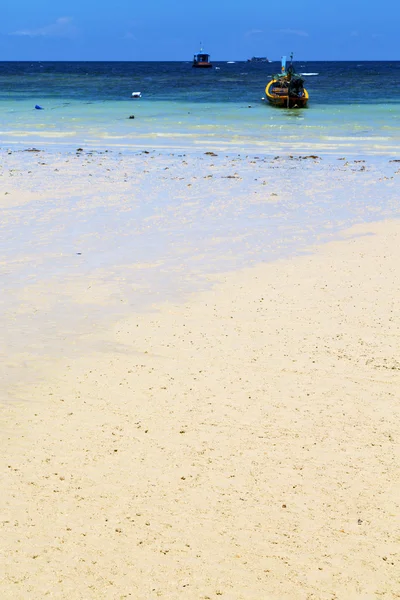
point(286, 89)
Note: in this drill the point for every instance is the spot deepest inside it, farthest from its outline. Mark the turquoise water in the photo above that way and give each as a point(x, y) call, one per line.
point(354, 107)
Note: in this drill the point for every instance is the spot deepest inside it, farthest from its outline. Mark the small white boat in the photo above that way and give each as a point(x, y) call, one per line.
point(136, 94)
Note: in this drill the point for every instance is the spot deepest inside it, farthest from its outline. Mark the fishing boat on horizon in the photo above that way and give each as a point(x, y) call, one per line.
point(201, 60)
point(286, 89)
point(259, 59)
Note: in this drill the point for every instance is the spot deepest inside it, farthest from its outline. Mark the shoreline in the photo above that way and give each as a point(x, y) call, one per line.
point(241, 444)
point(90, 237)
point(131, 148)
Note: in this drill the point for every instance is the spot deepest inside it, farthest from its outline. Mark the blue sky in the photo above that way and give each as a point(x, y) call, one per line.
point(229, 30)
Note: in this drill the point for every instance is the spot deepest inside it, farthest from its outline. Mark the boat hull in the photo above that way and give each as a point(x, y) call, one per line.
point(202, 65)
point(283, 100)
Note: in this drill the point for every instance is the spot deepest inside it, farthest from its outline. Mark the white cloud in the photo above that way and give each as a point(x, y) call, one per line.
point(63, 27)
point(253, 32)
point(299, 32)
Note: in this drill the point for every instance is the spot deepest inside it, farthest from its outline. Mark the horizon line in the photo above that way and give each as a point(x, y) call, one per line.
point(221, 60)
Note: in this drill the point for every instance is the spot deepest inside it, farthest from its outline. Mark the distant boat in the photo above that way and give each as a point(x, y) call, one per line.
point(201, 60)
point(286, 89)
point(259, 59)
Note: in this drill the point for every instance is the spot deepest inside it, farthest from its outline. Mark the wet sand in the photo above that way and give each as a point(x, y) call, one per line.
point(229, 435)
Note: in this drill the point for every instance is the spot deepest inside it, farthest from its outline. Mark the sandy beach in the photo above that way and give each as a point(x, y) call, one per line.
point(201, 395)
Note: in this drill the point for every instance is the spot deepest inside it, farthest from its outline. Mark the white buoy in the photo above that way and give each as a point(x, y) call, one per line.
point(136, 94)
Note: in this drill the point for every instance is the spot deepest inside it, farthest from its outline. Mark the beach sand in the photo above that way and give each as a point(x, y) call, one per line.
point(239, 441)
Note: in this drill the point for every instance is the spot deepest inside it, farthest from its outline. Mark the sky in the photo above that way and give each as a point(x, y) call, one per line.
point(229, 30)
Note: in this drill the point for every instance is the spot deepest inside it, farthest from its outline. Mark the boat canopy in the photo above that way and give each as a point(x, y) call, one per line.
point(201, 57)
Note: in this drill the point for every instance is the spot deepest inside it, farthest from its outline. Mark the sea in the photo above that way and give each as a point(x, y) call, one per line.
point(354, 107)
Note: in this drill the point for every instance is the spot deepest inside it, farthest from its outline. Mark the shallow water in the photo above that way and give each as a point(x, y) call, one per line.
point(88, 238)
point(89, 104)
